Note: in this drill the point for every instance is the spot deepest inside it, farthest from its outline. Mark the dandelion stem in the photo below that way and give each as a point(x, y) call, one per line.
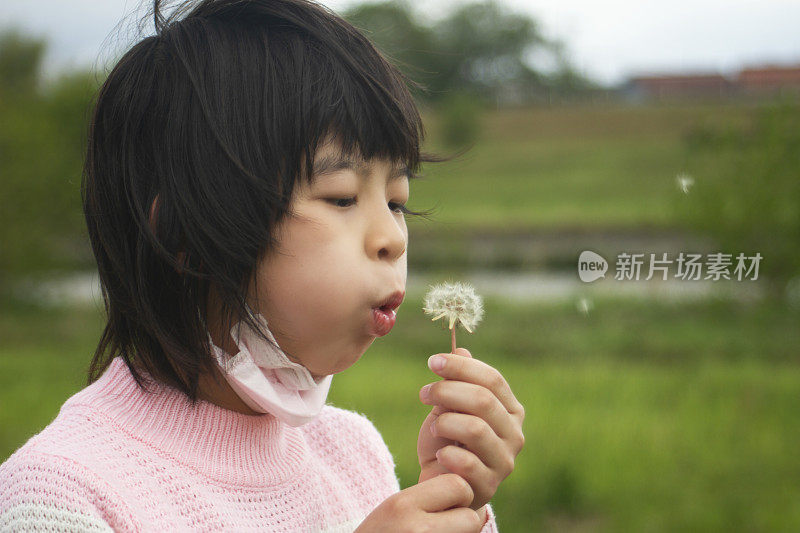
point(453, 339)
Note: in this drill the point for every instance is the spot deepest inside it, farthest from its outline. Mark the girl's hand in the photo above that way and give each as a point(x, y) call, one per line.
point(474, 406)
point(438, 504)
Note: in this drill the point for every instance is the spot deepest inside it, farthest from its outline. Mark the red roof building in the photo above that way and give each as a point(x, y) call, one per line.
point(766, 81)
point(769, 79)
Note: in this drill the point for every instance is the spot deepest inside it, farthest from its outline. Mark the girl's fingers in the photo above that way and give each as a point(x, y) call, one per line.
point(460, 368)
point(467, 465)
point(459, 520)
point(474, 400)
point(441, 493)
point(479, 438)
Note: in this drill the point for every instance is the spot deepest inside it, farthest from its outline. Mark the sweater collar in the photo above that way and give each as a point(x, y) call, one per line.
point(220, 443)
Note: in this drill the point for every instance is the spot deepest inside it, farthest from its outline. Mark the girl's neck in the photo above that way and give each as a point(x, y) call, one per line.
point(220, 393)
point(215, 389)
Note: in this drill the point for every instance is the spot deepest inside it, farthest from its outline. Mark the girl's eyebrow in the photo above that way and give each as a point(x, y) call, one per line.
point(330, 164)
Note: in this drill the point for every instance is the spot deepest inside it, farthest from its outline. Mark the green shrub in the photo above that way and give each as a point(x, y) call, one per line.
point(460, 119)
point(746, 191)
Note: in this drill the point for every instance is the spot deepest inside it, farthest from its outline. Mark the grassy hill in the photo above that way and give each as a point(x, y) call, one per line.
point(591, 167)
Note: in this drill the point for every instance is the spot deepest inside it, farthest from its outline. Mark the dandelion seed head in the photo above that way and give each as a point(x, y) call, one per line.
point(457, 302)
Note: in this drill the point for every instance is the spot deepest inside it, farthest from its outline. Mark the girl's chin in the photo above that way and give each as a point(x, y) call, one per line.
point(343, 364)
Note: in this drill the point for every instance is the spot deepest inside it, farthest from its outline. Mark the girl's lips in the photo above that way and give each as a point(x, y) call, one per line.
point(382, 321)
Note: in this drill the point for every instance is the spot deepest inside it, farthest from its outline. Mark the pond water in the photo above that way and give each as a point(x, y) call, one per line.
point(84, 288)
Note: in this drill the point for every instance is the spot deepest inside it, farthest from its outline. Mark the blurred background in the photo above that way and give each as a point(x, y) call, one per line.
point(613, 127)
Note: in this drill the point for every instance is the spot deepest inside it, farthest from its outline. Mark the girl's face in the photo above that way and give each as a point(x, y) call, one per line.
point(340, 256)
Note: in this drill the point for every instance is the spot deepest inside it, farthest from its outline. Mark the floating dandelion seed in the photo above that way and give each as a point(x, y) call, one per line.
point(685, 182)
point(458, 303)
point(584, 305)
point(793, 292)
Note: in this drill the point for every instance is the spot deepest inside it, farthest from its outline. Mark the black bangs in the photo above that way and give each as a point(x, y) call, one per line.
point(199, 137)
point(366, 111)
point(294, 74)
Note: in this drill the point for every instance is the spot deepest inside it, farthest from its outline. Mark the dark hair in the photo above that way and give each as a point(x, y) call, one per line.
point(199, 135)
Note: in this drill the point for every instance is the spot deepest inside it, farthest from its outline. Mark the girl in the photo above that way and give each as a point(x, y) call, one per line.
point(245, 189)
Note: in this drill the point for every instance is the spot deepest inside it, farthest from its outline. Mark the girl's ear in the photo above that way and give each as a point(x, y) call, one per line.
point(153, 214)
point(180, 257)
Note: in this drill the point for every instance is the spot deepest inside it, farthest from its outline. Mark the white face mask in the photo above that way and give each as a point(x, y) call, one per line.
point(267, 381)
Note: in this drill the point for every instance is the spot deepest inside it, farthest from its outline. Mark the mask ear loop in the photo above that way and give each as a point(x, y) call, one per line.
point(251, 312)
point(256, 318)
point(223, 358)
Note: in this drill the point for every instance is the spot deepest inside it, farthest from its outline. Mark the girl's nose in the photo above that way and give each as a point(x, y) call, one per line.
point(386, 235)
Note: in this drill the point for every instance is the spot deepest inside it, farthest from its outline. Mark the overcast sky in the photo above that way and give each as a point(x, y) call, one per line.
point(608, 40)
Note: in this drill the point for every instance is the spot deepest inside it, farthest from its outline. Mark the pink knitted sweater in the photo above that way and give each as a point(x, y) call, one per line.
point(118, 458)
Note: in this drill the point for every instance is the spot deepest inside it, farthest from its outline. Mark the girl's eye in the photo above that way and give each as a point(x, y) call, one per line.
point(400, 208)
point(336, 201)
point(347, 202)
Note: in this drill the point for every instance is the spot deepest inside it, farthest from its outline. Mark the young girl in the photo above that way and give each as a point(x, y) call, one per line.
point(245, 190)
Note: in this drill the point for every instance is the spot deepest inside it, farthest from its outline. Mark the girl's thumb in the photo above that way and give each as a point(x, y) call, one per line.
point(463, 351)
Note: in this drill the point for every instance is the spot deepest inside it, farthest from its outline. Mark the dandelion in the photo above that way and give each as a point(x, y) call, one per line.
point(458, 303)
point(685, 182)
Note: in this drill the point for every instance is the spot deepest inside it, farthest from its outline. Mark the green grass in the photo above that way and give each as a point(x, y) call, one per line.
point(640, 416)
point(596, 167)
point(621, 446)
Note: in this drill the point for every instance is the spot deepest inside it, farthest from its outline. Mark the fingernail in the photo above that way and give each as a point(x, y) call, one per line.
point(426, 389)
point(436, 362)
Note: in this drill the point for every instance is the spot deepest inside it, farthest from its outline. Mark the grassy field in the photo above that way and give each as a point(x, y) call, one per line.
point(640, 416)
point(595, 167)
